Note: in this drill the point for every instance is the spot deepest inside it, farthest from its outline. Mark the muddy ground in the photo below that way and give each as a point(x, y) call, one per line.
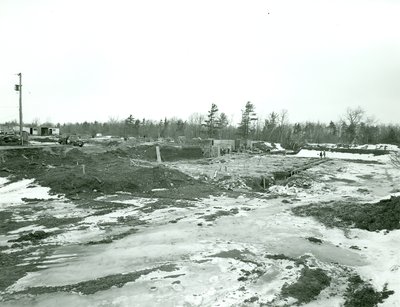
point(108, 226)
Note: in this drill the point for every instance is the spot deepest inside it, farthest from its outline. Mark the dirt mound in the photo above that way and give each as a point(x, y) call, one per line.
point(144, 152)
point(376, 216)
point(73, 172)
point(72, 181)
point(75, 153)
point(160, 177)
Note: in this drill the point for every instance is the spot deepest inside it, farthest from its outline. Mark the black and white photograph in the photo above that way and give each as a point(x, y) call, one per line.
point(184, 153)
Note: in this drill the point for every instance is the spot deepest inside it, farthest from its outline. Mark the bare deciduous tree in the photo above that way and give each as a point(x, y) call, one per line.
point(351, 121)
point(354, 116)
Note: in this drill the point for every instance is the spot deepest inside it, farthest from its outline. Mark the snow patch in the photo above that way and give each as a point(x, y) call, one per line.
point(307, 153)
point(12, 193)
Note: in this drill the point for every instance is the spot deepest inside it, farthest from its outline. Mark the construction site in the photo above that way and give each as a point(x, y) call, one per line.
point(199, 153)
point(119, 223)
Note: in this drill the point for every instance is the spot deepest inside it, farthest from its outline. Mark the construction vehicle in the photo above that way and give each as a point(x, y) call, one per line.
point(73, 140)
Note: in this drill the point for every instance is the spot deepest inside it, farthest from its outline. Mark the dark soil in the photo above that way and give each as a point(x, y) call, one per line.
point(360, 293)
point(7, 224)
point(99, 284)
point(113, 238)
point(314, 240)
point(308, 286)
point(51, 221)
point(11, 271)
point(33, 236)
point(79, 175)
point(279, 257)
point(220, 213)
point(44, 139)
point(252, 299)
point(371, 216)
point(234, 254)
point(118, 178)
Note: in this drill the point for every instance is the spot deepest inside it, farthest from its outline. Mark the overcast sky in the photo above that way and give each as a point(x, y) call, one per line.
point(96, 60)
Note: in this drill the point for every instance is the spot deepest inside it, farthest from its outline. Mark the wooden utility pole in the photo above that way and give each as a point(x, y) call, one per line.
point(20, 108)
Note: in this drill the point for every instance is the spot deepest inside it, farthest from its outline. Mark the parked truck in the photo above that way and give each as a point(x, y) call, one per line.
point(71, 140)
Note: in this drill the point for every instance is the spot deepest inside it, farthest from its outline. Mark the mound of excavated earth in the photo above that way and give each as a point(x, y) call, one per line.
point(77, 174)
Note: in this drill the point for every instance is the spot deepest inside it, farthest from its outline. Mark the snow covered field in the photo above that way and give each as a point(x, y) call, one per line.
point(307, 153)
point(216, 251)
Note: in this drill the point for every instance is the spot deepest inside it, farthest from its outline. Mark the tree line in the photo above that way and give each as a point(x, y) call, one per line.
point(354, 127)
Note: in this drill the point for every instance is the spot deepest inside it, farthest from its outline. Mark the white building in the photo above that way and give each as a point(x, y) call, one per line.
point(43, 131)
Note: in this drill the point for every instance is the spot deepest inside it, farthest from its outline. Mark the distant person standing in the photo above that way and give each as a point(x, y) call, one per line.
point(320, 154)
point(324, 154)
